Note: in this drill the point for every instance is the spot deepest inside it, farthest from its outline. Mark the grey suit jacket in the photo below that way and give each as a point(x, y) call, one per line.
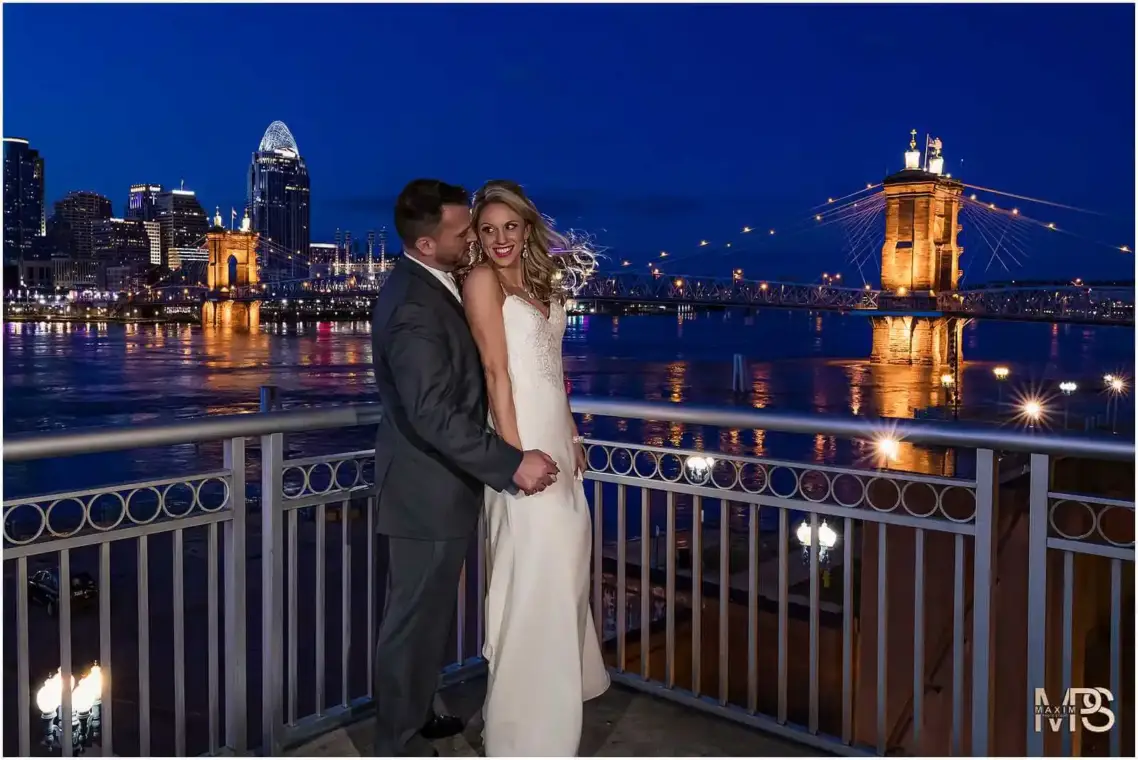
point(434, 451)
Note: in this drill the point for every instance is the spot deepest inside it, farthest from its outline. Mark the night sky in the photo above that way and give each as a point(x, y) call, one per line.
point(652, 127)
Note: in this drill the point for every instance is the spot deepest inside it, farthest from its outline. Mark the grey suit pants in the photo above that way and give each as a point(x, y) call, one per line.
point(422, 593)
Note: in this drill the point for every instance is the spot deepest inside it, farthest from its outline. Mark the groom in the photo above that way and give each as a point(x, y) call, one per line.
point(433, 455)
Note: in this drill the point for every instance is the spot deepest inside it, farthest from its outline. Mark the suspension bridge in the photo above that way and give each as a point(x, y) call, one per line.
point(903, 233)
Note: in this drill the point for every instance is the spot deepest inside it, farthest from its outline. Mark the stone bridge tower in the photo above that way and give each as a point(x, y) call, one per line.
point(231, 246)
point(921, 255)
point(233, 299)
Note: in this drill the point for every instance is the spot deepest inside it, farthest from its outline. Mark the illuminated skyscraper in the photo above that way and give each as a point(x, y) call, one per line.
point(142, 204)
point(23, 199)
point(183, 224)
point(279, 203)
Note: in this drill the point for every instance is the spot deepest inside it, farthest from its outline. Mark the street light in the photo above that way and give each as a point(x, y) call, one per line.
point(888, 448)
point(50, 695)
point(1068, 388)
point(1001, 374)
point(86, 701)
point(1115, 386)
point(699, 469)
point(948, 381)
point(827, 537)
point(1032, 410)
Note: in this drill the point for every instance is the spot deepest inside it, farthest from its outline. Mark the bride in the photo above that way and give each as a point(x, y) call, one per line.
point(541, 643)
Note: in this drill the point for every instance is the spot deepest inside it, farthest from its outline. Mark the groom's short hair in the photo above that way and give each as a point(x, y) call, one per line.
point(419, 208)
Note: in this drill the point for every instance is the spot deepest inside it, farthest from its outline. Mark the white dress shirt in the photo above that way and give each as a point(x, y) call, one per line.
point(446, 278)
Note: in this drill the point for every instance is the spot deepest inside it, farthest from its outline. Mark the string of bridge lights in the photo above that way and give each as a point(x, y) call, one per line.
point(862, 210)
point(1016, 215)
point(753, 235)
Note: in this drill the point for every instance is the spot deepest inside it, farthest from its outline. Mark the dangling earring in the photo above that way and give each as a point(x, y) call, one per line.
point(525, 249)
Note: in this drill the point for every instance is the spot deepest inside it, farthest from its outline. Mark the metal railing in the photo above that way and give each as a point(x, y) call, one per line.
point(734, 291)
point(1108, 304)
point(699, 592)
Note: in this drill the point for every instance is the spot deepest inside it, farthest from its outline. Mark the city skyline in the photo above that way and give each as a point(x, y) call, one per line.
point(659, 165)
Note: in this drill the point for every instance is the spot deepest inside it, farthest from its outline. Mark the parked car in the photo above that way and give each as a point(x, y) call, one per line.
point(43, 590)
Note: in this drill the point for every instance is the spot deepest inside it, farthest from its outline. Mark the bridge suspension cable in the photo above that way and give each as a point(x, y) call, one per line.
point(837, 213)
point(864, 234)
point(1019, 217)
point(1030, 199)
point(1007, 238)
point(831, 201)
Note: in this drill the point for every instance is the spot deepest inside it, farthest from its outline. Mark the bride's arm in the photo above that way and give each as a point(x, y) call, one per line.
point(581, 460)
point(482, 298)
point(572, 421)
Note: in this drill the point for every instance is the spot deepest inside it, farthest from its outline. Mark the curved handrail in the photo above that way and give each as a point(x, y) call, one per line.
point(214, 428)
point(939, 434)
point(208, 428)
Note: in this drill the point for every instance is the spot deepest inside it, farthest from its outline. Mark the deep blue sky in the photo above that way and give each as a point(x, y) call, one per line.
point(650, 126)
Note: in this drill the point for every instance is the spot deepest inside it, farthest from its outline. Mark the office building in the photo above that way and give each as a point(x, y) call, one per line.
point(321, 257)
point(154, 238)
point(23, 199)
point(121, 242)
point(279, 203)
point(183, 222)
point(75, 217)
point(185, 258)
point(142, 203)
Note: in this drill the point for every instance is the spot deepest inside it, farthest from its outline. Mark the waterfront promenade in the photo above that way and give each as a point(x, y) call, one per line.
point(621, 723)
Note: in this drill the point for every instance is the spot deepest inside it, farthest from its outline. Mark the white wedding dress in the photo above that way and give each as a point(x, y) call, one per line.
point(541, 643)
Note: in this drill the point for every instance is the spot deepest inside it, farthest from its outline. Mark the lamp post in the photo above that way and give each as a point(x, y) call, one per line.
point(949, 383)
point(827, 540)
point(1116, 386)
point(1106, 381)
point(1001, 374)
point(86, 701)
point(699, 469)
point(1068, 388)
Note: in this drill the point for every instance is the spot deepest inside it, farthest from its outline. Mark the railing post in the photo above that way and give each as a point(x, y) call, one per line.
point(271, 402)
point(270, 398)
point(1040, 482)
point(272, 593)
point(236, 647)
point(984, 582)
point(738, 374)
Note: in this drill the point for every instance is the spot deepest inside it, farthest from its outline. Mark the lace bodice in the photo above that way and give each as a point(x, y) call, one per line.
point(533, 342)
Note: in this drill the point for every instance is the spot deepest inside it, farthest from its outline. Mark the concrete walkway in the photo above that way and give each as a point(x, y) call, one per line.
point(623, 722)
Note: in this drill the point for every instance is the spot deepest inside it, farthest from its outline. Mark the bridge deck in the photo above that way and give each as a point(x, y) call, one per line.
point(623, 722)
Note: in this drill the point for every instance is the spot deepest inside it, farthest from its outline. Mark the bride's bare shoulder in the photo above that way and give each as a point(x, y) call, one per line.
point(482, 283)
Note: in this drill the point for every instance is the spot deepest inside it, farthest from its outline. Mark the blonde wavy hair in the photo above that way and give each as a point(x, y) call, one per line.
point(544, 268)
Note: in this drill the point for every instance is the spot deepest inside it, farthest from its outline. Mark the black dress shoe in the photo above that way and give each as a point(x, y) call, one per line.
point(441, 727)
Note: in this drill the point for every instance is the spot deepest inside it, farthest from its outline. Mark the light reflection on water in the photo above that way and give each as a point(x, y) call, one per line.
point(66, 376)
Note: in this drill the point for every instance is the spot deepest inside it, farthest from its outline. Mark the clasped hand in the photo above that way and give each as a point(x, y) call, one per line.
point(536, 473)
